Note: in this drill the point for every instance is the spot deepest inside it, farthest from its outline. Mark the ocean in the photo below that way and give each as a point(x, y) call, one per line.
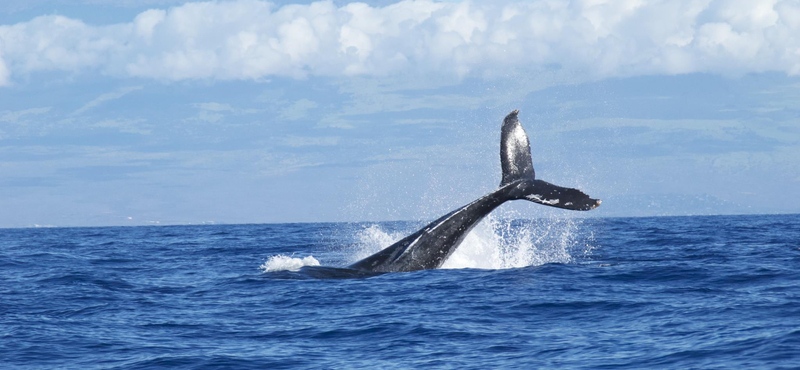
point(710, 292)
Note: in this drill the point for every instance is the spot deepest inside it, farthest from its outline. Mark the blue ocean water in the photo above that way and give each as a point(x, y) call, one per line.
point(668, 292)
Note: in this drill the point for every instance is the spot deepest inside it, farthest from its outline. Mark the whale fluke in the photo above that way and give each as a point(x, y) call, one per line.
point(515, 159)
point(430, 247)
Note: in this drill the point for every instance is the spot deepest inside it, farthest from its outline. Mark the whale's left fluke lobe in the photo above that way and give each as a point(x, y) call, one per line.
point(515, 151)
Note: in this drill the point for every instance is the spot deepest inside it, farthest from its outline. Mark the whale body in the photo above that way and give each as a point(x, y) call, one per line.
point(430, 247)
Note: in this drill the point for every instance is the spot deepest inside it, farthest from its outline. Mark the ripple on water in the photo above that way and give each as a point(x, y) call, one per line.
point(677, 292)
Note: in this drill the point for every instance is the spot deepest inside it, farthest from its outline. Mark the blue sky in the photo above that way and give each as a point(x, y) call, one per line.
point(170, 112)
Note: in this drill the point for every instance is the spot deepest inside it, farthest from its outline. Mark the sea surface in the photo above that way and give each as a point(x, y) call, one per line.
point(710, 292)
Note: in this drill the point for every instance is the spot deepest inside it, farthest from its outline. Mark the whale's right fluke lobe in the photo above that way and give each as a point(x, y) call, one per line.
point(545, 193)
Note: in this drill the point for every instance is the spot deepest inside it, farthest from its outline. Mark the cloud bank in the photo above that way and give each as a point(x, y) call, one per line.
point(254, 40)
point(106, 97)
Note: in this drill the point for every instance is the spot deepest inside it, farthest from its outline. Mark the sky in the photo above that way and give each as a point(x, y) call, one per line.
point(141, 112)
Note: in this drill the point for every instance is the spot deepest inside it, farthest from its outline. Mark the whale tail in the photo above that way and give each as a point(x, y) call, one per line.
point(515, 160)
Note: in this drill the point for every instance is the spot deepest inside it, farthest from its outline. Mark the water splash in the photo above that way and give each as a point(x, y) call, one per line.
point(498, 243)
point(502, 243)
point(372, 239)
point(287, 263)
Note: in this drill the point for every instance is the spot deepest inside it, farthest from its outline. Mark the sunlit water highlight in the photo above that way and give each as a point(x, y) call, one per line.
point(674, 292)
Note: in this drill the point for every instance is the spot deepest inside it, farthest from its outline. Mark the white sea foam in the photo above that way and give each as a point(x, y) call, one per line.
point(284, 263)
point(498, 243)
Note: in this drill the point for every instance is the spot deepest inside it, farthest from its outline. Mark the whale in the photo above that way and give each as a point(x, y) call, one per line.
point(432, 245)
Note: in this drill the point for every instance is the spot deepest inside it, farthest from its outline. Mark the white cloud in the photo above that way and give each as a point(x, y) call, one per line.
point(213, 112)
point(145, 23)
point(253, 40)
point(14, 116)
point(334, 121)
point(215, 107)
point(422, 121)
point(129, 126)
point(4, 73)
point(207, 116)
point(297, 110)
point(106, 97)
point(300, 141)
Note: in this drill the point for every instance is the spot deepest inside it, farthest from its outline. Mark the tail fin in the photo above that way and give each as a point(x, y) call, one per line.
point(543, 192)
point(515, 159)
point(515, 151)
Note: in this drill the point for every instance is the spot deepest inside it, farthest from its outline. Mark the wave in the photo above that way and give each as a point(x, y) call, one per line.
point(287, 263)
